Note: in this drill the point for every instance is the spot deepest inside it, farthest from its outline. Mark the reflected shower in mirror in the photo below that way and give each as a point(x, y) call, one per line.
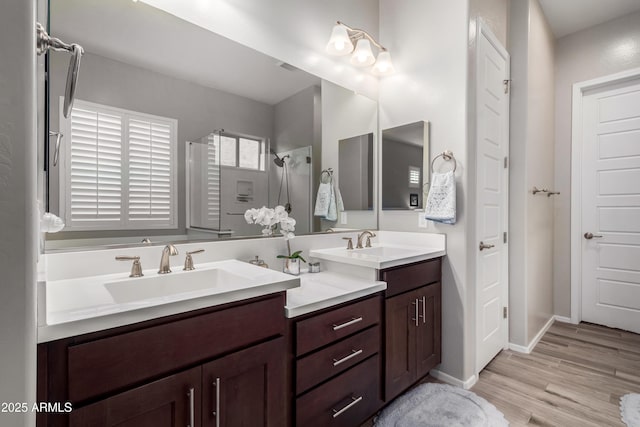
point(141, 154)
point(405, 166)
point(355, 158)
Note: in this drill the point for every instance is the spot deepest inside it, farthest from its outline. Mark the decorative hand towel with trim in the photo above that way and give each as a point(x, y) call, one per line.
point(328, 200)
point(441, 200)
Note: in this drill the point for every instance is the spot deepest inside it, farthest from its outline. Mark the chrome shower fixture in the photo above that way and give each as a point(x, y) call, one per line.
point(279, 161)
point(44, 43)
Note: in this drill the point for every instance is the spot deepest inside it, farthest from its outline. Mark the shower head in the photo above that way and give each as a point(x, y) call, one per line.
point(279, 161)
point(72, 78)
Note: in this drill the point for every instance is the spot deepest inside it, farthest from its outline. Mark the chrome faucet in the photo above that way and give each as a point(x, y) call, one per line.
point(168, 251)
point(369, 235)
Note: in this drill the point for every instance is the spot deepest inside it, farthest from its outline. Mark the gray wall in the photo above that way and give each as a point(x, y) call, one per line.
point(199, 110)
point(585, 55)
point(397, 156)
point(355, 166)
point(531, 164)
point(18, 208)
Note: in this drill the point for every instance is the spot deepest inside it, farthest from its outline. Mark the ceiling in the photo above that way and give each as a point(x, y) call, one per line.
point(141, 35)
point(569, 16)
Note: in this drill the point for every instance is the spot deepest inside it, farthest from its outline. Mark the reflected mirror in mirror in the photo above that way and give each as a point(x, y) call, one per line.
point(405, 166)
point(355, 157)
point(172, 143)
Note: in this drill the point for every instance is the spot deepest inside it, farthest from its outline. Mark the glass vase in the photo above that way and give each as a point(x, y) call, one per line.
point(292, 266)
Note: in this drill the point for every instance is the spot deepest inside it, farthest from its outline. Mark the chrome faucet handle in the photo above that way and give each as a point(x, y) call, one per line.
point(349, 242)
point(136, 268)
point(368, 244)
point(188, 261)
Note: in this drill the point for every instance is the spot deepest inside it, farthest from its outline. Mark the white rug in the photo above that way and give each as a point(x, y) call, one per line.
point(431, 405)
point(630, 409)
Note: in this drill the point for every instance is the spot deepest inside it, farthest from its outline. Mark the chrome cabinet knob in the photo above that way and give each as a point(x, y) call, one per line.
point(588, 235)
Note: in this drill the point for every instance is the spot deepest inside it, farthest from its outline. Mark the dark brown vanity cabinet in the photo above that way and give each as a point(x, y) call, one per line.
point(223, 366)
point(412, 324)
point(337, 363)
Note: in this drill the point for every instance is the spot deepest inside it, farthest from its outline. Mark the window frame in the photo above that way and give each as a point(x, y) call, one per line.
point(125, 222)
point(264, 146)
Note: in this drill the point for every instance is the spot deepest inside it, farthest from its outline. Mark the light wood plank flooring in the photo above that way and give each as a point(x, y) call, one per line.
point(573, 377)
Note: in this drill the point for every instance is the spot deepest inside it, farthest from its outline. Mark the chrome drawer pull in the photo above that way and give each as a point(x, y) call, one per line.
point(192, 411)
point(353, 354)
point(424, 309)
point(216, 413)
point(353, 321)
point(355, 400)
point(417, 313)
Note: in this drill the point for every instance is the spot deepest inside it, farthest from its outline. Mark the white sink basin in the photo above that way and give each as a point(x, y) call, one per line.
point(172, 284)
point(380, 256)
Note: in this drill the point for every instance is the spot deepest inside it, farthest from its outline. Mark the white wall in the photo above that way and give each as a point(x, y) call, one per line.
point(430, 84)
point(18, 207)
point(531, 164)
point(293, 31)
point(598, 51)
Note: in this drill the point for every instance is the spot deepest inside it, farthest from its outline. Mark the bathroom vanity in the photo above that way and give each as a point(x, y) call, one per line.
point(235, 344)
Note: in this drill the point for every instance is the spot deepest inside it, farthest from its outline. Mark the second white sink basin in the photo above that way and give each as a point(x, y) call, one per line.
point(159, 286)
point(379, 257)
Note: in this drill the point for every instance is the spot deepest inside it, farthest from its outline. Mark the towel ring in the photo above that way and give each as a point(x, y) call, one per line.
point(446, 155)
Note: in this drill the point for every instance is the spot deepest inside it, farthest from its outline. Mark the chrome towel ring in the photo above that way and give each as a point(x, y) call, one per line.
point(447, 156)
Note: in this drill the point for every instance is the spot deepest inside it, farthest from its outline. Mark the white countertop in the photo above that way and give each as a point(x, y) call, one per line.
point(326, 289)
point(83, 305)
point(380, 256)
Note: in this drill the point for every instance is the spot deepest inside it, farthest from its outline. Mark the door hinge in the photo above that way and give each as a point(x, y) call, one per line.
point(506, 162)
point(309, 159)
point(504, 237)
point(505, 312)
point(507, 85)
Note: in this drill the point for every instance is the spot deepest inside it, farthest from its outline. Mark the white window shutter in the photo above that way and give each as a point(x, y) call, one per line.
point(120, 170)
point(95, 172)
point(150, 171)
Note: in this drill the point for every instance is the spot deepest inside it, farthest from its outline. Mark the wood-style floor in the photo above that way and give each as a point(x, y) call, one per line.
point(573, 377)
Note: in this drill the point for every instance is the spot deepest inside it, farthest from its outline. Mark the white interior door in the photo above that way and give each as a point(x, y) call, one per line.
point(611, 206)
point(492, 197)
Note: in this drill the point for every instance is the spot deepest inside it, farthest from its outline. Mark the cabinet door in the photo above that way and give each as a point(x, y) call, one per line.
point(428, 333)
point(246, 388)
point(171, 401)
point(400, 343)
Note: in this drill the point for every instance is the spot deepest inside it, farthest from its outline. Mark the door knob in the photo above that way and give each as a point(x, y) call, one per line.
point(588, 235)
point(485, 246)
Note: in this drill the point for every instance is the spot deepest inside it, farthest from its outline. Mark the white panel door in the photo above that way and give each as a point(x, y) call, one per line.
point(492, 202)
point(611, 206)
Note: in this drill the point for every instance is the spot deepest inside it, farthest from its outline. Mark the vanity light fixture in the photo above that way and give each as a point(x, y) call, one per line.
point(342, 41)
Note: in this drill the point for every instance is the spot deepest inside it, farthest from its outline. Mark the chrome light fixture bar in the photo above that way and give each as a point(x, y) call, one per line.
point(345, 40)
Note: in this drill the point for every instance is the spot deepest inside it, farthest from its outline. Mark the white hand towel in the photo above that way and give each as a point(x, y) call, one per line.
point(441, 201)
point(332, 214)
point(322, 199)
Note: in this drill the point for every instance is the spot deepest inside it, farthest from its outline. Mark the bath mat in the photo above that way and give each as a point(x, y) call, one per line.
point(630, 409)
point(431, 405)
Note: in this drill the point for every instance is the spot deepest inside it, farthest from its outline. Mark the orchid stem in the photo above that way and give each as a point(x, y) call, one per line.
point(288, 248)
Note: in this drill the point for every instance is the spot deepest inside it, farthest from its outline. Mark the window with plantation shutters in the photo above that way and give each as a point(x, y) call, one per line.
point(118, 169)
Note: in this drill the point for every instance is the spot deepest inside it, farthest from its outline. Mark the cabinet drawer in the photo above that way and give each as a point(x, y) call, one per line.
point(404, 278)
point(113, 363)
point(346, 400)
point(328, 327)
point(324, 364)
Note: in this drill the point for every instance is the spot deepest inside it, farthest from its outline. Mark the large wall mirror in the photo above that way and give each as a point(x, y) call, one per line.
point(176, 131)
point(405, 166)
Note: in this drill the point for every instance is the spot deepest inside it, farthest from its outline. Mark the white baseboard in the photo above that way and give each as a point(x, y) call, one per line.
point(562, 319)
point(528, 349)
point(466, 384)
